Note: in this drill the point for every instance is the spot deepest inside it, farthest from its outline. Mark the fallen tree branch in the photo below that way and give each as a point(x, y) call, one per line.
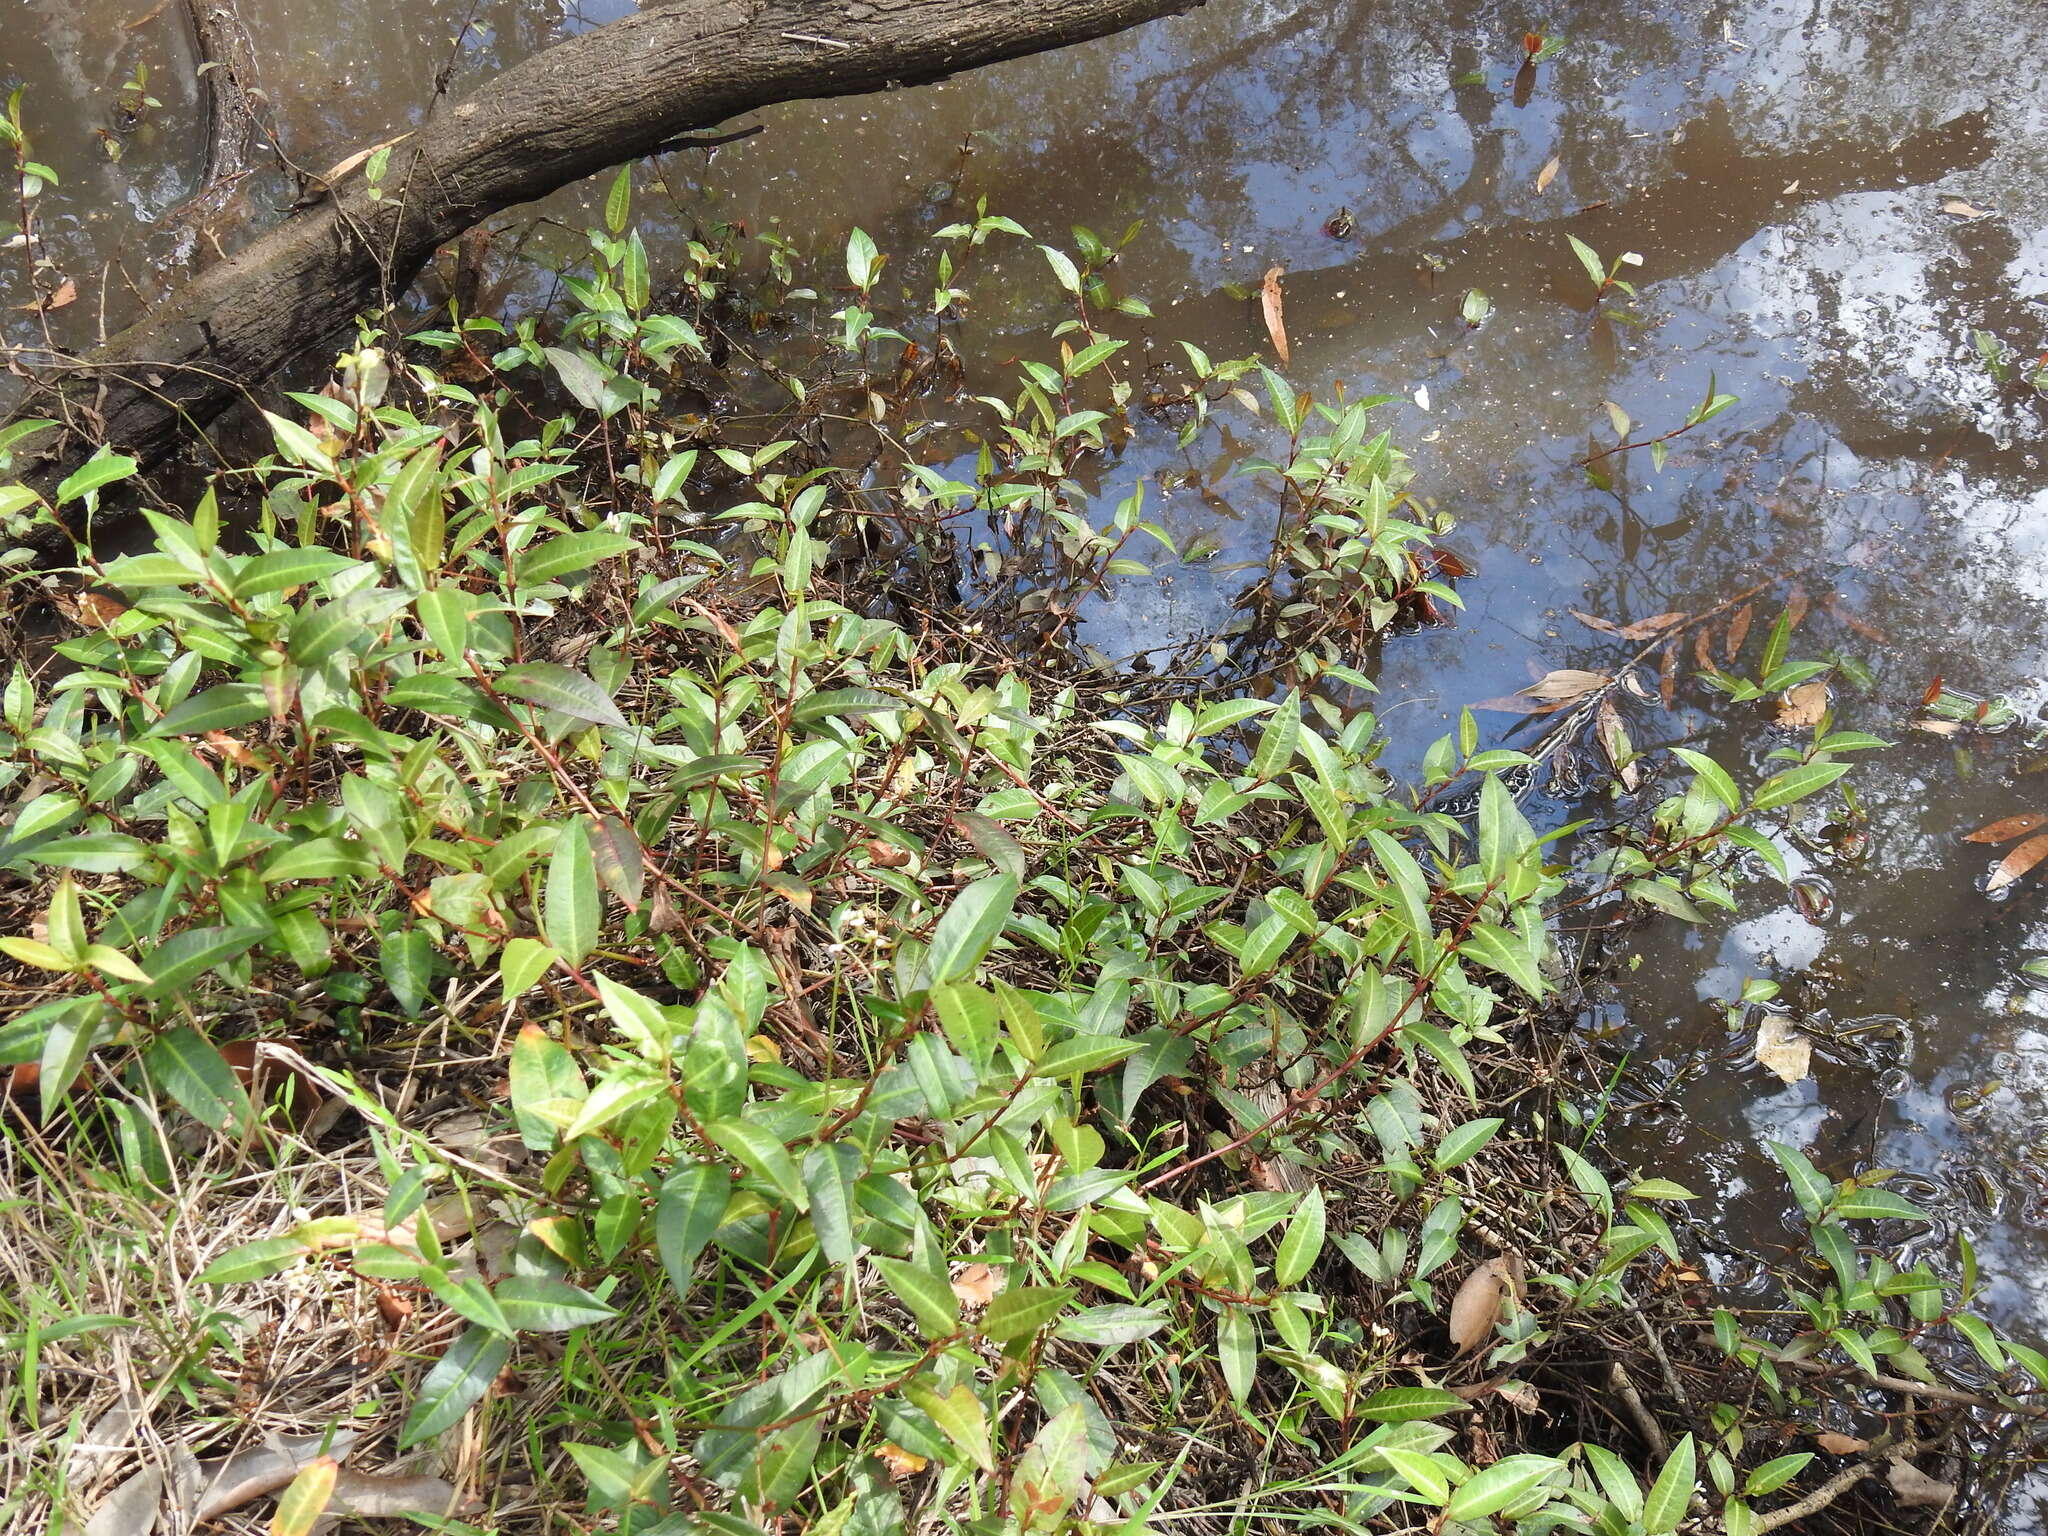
point(633, 87)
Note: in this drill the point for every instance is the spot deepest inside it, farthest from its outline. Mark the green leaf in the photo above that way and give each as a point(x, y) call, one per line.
point(1775, 1474)
point(1400, 1405)
point(1110, 1327)
point(1775, 647)
point(691, 1205)
point(218, 709)
point(1280, 739)
point(1022, 1310)
point(406, 959)
point(535, 1304)
point(1464, 1143)
point(297, 443)
point(1671, 1494)
point(289, 568)
point(1052, 1474)
point(1063, 268)
point(863, 262)
point(968, 1016)
point(542, 1074)
point(929, 1297)
point(961, 1419)
point(1616, 1481)
point(571, 909)
point(764, 1155)
point(1796, 784)
point(1712, 775)
point(521, 963)
point(184, 957)
point(1498, 950)
point(304, 1501)
point(186, 1066)
point(102, 469)
point(1423, 1472)
point(1499, 1486)
point(319, 858)
point(457, 1380)
point(1303, 1243)
point(254, 1261)
point(444, 614)
point(570, 553)
point(830, 1170)
point(584, 380)
point(1659, 1189)
point(1879, 1204)
point(1081, 1055)
point(968, 930)
point(1237, 1351)
point(1589, 259)
point(1411, 887)
point(562, 689)
point(1808, 1187)
point(832, 703)
point(618, 202)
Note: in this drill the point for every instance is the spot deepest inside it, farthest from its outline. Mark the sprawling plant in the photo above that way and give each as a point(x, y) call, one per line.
point(940, 1087)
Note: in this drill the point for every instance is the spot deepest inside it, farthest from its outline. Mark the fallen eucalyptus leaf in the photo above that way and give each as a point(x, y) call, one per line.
point(131, 1509)
point(1272, 305)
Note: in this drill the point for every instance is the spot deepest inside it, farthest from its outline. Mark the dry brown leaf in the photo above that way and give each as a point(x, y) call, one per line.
point(1655, 625)
point(1476, 1307)
point(1614, 743)
point(1547, 175)
point(108, 1439)
point(67, 293)
point(1862, 627)
point(1803, 707)
point(1840, 1445)
point(1605, 626)
point(1566, 683)
point(1795, 608)
point(1521, 1397)
point(131, 1509)
point(341, 168)
point(1938, 727)
point(1272, 305)
point(1515, 704)
point(2006, 828)
point(1667, 674)
point(1783, 1049)
point(387, 1495)
point(1738, 629)
point(976, 1285)
point(233, 1481)
point(1956, 208)
point(2017, 863)
point(1916, 1490)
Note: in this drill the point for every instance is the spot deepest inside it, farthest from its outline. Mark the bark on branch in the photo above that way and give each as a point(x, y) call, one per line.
point(622, 91)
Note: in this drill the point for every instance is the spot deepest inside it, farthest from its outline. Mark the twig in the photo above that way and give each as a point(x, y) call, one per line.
point(1839, 1484)
point(1902, 1385)
point(1646, 1422)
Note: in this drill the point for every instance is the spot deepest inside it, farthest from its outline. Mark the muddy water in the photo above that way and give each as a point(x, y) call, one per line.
point(1828, 199)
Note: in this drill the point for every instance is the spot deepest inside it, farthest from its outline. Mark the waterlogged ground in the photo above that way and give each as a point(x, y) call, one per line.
point(1828, 200)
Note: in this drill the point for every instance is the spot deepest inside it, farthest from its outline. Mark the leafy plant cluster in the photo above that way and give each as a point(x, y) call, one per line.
point(945, 1090)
